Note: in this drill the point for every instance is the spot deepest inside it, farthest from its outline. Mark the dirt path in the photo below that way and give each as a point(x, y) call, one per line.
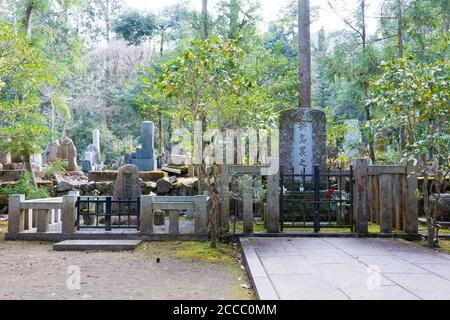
point(185, 271)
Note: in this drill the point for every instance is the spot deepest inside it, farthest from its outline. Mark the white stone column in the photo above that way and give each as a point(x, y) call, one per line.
point(96, 140)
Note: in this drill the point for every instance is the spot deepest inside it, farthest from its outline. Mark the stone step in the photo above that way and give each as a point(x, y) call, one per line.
point(96, 245)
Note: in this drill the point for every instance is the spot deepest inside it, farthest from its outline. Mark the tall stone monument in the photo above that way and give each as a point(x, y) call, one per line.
point(144, 158)
point(96, 140)
point(302, 140)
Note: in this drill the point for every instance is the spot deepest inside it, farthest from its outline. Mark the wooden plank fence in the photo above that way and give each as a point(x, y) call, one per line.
point(386, 195)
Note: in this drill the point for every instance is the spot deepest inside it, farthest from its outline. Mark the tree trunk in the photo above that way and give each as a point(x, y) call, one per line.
point(161, 138)
point(27, 19)
point(400, 28)
point(161, 46)
point(234, 16)
point(365, 84)
point(304, 41)
point(204, 26)
point(29, 168)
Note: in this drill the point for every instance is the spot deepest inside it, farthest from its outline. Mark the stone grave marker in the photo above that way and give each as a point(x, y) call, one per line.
point(302, 140)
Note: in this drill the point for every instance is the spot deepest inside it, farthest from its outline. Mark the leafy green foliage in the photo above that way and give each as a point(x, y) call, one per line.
point(415, 96)
point(25, 186)
point(136, 27)
point(24, 130)
point(59, 166)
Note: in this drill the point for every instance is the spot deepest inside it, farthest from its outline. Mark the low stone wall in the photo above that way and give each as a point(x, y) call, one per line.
point(111, 175)
point(10, 175)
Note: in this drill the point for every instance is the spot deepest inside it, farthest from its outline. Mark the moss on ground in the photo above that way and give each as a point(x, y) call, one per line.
point(444, 245)
point(424, 230)
point(226, 254)
point(258, 226)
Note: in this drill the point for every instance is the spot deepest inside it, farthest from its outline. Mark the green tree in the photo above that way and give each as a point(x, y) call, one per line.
point(23, 130)
point(416, 96)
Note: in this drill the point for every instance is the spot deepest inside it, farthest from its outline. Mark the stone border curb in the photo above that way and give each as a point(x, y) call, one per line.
point(260, 280)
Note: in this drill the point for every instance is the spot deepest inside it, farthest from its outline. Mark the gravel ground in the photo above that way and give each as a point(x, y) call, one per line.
point(32, 270)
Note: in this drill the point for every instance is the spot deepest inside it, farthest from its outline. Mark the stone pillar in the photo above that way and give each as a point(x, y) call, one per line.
point(146, 215)
point(16, 216)
point(201, 217)
point(174, 221)
point(411, 208)
point(360, 196)
point(42, 220)
point(69, 214)
point(273, 200)
point(96, 140)
point(302, 140)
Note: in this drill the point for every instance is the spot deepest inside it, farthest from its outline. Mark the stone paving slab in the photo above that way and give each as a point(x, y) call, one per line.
point(96, 245)
point(355, 269)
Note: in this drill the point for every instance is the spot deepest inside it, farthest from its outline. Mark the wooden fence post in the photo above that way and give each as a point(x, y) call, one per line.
point(16, 216)
point(386, 205)
point(225, 197)
point(68, 214)
point(146, 219)
point(273, 200)
point(248, 206)
point(360, 196)
point(411, 209)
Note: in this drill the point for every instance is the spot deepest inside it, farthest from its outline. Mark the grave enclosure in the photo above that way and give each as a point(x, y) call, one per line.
point(320, 198)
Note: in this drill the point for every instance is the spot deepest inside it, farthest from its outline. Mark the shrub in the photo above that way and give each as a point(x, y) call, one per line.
point(57, 167)
point(25, 186)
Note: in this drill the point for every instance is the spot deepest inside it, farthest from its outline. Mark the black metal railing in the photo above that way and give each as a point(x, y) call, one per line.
point(317, 200)
point(106, 213)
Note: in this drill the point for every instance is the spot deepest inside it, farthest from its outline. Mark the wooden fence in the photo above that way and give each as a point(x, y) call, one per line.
point(385, 195)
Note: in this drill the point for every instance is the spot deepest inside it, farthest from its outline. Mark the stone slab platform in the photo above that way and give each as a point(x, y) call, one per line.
point(96, 245)
point(345, 269)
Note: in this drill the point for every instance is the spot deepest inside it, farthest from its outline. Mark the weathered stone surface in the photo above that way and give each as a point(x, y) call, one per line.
point(86, 166)
point(68, 151)
point(64, 186)
point(104, 188)
point(87, 188)
point(159, 218)
point(144, 158)
point(10, 175)
point(11, 166)
point(148, 187)
point(163, 186)
point(302, 139)
point(5, 158)
point(152, 175)
point(98, 176)
point(51, 153)
point(127, 184)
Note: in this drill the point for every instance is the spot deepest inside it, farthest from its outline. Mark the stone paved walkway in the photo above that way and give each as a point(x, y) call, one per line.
point(345, 268)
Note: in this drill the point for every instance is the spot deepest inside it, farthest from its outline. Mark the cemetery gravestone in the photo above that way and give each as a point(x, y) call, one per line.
point(302, 140)
point(127, 184)
point(144, 158)
point(68, 151)
point(51, 153)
